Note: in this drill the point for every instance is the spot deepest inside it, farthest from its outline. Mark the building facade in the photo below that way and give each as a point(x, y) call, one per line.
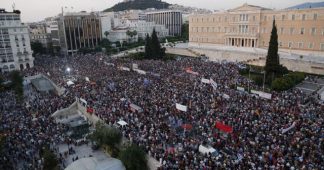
point(15, 50)
point(143, 28)
point(38, 33)
point(171, 19)
point(117, 26)
point(52, 29)
point(79, 30)
point(250, 26)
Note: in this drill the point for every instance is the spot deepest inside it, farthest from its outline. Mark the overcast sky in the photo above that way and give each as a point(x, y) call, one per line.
point(36, 10)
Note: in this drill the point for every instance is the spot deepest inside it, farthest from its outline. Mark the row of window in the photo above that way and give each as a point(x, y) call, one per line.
point(9, 17)
point(18, 30)
point(35, 37)
point(301, 45)
point(245, 17)
point(4, 31)
point(245, 29)
point(302, 31)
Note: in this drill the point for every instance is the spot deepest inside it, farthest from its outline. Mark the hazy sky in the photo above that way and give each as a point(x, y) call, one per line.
point(36, 10)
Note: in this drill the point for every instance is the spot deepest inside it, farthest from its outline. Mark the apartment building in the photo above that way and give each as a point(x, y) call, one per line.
point(15, 50)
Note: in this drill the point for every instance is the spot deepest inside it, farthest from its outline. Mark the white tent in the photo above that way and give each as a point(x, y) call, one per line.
point(91, 163)
point(70, 83)
point(87, 79)
point(122, 123)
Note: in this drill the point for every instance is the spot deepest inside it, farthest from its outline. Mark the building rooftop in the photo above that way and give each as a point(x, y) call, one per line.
point(3, 11)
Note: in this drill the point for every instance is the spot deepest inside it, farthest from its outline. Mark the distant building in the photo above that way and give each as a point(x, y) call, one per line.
point(250, 26)
point(117, 25)
point(119, 34)
point(79, 30)
point(143, 28)
point(38, 33)
point(15, 50)
point(171, 19)
point(52, 29)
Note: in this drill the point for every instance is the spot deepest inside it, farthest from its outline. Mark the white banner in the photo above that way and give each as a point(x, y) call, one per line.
point(181, 107)
point(287, 129)
point(135, 108)
point(240, 88)
point(262, 94)
point(265, 95)
point(109, 64)
point(203, 80)
point(192, 72)
point(255, 92)
point(125, 68)
point(213, 83)
point(226, 96)
point(135, 66)
point(83, 102)
point(140, 71)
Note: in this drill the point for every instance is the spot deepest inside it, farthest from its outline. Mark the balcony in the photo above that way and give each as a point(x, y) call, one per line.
point(20, 60)
point(19, 54)
point(4, 61)
point(26, 52)
point(10, 60)
point(27, 59)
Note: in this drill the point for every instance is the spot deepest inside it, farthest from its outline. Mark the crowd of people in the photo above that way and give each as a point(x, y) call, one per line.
point(259, 138)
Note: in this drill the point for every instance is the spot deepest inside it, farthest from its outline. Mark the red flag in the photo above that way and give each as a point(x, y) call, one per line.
point(223, 127)
point(90, 110)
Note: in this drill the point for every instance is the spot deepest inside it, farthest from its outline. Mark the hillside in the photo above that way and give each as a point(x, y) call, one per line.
point(308, 5)
point(138, 4)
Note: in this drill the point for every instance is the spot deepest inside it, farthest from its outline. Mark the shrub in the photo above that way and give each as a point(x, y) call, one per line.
point(258, 80)
point(287, 81)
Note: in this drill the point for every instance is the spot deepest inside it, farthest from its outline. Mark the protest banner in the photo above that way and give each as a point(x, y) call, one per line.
point(181, 107)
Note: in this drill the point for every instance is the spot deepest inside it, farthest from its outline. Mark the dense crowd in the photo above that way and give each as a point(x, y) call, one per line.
point(258, 139)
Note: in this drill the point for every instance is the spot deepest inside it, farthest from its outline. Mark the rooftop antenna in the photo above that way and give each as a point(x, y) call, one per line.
point(13, 6)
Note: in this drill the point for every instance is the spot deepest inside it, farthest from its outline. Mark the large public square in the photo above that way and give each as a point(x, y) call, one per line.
point(177, 111)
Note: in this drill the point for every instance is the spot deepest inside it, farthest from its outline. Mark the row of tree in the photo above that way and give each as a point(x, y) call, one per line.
point(38, 48)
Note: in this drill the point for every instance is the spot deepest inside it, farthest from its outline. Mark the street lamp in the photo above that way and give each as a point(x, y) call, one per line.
point(264, 77)
point(68, 70)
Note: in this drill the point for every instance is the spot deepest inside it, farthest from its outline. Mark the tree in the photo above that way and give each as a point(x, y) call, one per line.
point(37, 47)
point(106, 34)
point(157, 51)
point(1, 85)
point(133, 158)
point(105, 135)
point(2, 142)
point(131, 34)
point(50, 161)
point(148, 48)
point(273, 68)
point(17, 84)
point(185, 31)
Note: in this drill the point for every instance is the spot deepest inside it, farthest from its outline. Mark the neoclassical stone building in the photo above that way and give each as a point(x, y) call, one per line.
point(250, 26)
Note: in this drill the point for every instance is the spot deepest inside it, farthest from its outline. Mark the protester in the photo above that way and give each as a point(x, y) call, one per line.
point(279, 133)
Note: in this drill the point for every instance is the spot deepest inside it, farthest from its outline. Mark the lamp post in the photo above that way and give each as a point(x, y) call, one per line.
point(249, 78)
point(264, 74)
point(68, 70)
